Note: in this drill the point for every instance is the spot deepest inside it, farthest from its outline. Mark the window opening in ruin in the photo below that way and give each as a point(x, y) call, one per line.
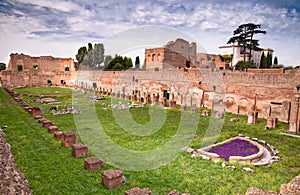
point(156, 69)
point(214, 88)
point(166, 94)
point(94, 85)
point(62, 82)
point(158, 57)
point(153, 57)
point(49, 82)
point(188, 64)
point(149, 57)
point(20, 67)
point(67, 68)
point(35, 66)
point(298, 88)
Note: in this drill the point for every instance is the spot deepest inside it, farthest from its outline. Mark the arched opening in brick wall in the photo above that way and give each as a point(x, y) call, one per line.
point(153, 57)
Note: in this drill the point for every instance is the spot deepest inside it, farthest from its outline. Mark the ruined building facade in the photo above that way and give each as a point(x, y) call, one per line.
point(24, 70)
point(169, 77)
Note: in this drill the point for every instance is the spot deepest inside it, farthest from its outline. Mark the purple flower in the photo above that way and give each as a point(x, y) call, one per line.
point(235, 147)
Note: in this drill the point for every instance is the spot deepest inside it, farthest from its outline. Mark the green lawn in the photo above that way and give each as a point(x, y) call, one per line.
point(50, 168)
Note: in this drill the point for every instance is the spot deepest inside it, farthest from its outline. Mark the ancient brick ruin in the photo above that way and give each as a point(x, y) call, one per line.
point(173, 74)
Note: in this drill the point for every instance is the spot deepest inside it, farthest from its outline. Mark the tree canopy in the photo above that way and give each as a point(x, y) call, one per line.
point(91, 56)
point(2, 66)
point(243, 36)
point(119, 63)
point(244, 65)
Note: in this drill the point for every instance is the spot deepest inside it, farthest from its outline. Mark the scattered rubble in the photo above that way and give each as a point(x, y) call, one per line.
point(12, 180)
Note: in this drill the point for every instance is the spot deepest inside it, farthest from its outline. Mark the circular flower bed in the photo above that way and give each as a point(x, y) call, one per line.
point(236, 147)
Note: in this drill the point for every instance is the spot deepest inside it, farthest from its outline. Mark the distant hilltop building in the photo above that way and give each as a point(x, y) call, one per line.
point(180, 54)
point(237, 53)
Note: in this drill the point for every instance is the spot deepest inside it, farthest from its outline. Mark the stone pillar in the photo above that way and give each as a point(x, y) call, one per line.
point(68, 138)
point(155, 99)
point(173, 104)
point(36, 111)
point(113, 178)
point(252, 117)
point(164, 102)
point(183, 107)
point(295, 112)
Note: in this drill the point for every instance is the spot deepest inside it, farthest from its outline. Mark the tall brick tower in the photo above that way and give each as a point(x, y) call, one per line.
point(295, 112)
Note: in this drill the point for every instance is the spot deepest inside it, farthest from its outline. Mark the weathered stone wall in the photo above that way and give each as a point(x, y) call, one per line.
point(38, 71)
point(240, 92)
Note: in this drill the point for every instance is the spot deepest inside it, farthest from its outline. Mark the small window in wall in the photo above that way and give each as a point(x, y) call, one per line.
point(188, 64)
point(35, 66)
point(67, 68)
point(158, 57)
point(49, 82)
point(62, 82)
point(20, 67)
point(153, 57)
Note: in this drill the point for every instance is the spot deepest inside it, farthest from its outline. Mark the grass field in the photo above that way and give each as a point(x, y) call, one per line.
point(50, 168)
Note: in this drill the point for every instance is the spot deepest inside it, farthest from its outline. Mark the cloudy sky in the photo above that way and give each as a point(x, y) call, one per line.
point(60, 27)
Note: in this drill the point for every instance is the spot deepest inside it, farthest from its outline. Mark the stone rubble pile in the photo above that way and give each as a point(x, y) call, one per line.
point(12, 180)
point(292, 188)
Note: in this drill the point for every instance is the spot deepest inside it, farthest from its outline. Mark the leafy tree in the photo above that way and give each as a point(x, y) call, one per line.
point(90, 47)
point(244, 65)
point(275, 60)
point(82, 51)
point(278, 66)
point(269, 60)
point(263, 61)
point(98, 55)
point(2, 66)
point(137, 61)
point(243, 36)
point(119, 63)
point(107, 59)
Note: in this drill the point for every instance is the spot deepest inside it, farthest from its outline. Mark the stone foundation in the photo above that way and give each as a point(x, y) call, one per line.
point(79, 150)
point(58, 135)
point(93, 163)
point(113, 178)
point(68, 138)
point(52, 129)
point(138, 191)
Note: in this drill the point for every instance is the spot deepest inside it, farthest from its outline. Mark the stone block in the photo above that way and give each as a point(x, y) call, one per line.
point(183, 107)
point(58, 135)
point(113, 178)
point(38, 117)
point(205, 113)
point(138, 191)
point(79, 150)
point(272, 122)
point(47, 123)
point(194, 110)
point(52, 129)
point(173, 104)
point(35, 111)
point(27, 108)
point(68, 138)
point(175, 192)
point(93, 163)
point(40, 120)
